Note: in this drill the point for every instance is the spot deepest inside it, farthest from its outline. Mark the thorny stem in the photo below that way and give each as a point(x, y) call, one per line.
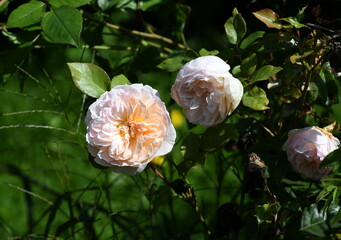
point(135, 32)
point(190, 199)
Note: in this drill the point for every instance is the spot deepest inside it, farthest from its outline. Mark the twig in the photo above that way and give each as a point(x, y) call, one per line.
point(135, 32)
point(30, 193)
point(37, 126)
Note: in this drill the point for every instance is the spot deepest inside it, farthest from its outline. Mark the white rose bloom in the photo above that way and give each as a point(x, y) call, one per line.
point(127, 127)
point(307, 147)
point(206, 90)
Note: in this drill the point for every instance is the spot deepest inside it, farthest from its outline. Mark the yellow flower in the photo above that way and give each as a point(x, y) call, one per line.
point(177, 118)
point(158, 160)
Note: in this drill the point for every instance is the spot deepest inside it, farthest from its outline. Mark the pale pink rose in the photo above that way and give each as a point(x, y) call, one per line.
point(127, 127)
point(307, 147)
point(206, 90)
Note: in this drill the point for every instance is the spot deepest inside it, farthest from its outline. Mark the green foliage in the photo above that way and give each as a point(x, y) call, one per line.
point(171, 64)
point(251, 39)
point(269, 17)
point(119, 80)
point(62, 25)
point(90, 79)
point(204, 52)
point(264, 73)
point(71, 3)
point(256, 99)
point(209, 186)
point(333, 159)
point(235, 27)
point(26, 14)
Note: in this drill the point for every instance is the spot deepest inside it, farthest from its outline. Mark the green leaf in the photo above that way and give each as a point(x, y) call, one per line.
point(235, 27)
point(249, 65)
point(3, 5)
point(251, 38)
point(240, 26)
point(204, 52)
point(294, 22)
point(103, 4)
point(193, 158)
point(332, 159)
point(301, 13)
point(26, 14)
point(63, 25)
point(337, 217)
point(314, 221)
point(264, 73)
point(256, 99)
point(149, 4)
point(71, 3)
point(265, 212)
point(89, 78)
point(171, 64)
point(269, 17)
point(236, 71)
point(230, 31)
point(119, 80)
point(215, 137)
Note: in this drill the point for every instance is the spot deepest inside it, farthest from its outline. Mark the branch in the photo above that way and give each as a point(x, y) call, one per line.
point(135, 32)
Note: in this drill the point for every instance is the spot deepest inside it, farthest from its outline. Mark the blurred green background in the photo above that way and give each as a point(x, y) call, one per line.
point(49, 189)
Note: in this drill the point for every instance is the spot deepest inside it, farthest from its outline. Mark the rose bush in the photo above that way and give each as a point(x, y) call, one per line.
point(307, 147)
point(206, 90)
point(127, 127)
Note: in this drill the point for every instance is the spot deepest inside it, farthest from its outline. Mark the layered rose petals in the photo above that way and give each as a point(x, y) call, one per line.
point(127, 127)
point(307, 147)
point(206, 90)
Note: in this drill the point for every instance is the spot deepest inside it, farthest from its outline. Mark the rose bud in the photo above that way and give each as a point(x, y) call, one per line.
point(307, 147)
point(206, 90)
point(128, 127)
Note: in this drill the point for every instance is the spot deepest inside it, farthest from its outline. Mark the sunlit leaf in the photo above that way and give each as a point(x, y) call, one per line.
point(294, 22)
point(63, 25)
point(204, 52)
point(249, 65)
point(89, 78)
point(269, 17)
point(171, 64)
point(149, 4)
point(301, 13)
point(265, 73)
point(119, 80)
point(256, 99)
point(235, 27)
point(71, 3)
point(236, 71)
point(240, 26)
point(26, 14)
point(251, 39)
point(103, 4)
point(230, 31)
